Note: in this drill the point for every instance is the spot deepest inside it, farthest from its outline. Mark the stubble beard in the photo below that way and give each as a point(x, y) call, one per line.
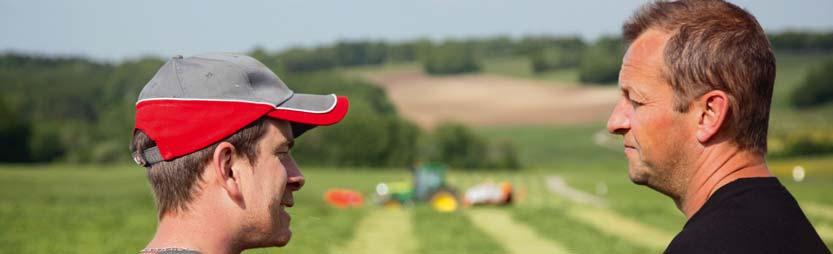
point(272, 233)
point(664, 176)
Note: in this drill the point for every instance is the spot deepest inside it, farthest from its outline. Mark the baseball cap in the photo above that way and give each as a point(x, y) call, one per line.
point(197, 101)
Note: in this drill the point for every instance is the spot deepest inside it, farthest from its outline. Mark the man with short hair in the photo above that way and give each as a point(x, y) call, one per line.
point(696, 87)
point(214, 133)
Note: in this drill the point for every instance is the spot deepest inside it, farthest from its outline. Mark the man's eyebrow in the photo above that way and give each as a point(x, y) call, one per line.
point(629, 90)
point(288, 144)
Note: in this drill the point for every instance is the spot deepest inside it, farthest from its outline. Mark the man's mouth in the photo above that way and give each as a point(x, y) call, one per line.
point(629, 148)
point(288, 201)
point(629, 144)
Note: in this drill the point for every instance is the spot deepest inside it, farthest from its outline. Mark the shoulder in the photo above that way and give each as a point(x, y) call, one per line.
point(715, 234)
point(750, 216)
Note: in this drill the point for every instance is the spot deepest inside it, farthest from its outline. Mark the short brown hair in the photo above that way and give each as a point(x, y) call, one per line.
point(715, 45)
point(174, 181)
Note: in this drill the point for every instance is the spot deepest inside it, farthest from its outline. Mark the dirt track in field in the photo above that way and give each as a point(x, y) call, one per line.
point(492, 100)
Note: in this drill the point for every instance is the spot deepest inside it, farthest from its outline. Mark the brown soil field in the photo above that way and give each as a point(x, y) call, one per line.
point(492, 100)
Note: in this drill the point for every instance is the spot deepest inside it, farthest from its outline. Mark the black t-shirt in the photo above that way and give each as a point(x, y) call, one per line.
point(749, 215)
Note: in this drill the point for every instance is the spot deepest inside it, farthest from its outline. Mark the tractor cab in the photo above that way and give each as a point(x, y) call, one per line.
point(427, 185)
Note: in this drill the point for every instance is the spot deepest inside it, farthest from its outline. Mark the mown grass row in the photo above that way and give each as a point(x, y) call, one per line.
point(567, 221)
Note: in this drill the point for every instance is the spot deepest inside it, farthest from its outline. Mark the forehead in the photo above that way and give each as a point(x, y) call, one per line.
point(643, 62)
point(278, 133)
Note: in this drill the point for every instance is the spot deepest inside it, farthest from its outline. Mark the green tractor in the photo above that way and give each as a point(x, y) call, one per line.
point(428, 185)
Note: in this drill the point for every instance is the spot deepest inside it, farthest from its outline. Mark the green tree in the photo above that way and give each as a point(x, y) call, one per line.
point(14, 136)
point(354, 53)
point(505, 155)
point(457, 146)
point(451, 58)
point(306, 60)
point(817, 87)
point(600, 63)
point(555, 58)
point(372, 134)
point(802, 41)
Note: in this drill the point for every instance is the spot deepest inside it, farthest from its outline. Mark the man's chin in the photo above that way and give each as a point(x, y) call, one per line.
point(637, 177)
point(284, 238)
point(284, 233)
point(275, 239)
point(639, 181)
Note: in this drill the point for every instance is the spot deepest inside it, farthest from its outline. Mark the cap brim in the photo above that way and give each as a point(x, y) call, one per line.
point(311, 110)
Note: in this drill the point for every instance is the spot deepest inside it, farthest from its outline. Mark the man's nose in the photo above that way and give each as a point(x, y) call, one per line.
point(619, 121)
point(295, 179)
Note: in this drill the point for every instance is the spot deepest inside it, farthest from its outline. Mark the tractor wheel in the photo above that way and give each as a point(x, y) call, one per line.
point(391, 203)
point(444, 200)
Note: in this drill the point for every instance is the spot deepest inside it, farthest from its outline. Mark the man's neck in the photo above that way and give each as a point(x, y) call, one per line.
point(193, 231)
point(717, 166)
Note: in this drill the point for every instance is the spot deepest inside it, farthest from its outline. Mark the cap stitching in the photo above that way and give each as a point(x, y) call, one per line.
point(178, 78)
point(335, 103)
point(197, 99)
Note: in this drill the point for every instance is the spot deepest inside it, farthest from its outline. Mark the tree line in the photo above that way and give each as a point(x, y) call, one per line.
point(597, 62)
point(76, 110)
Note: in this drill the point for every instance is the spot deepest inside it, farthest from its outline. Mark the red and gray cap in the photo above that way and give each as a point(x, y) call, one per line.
point(181, 106)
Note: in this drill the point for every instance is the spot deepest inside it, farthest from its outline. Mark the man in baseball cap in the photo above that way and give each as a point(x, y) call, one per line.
point(214, 133)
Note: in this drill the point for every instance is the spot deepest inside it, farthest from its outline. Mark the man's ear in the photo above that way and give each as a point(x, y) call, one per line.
point(228, 179)
point(713, 110)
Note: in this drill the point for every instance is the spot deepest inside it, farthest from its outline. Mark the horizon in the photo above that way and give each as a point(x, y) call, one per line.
point(138, 29)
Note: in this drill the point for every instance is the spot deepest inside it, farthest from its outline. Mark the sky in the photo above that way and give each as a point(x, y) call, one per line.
point(112, 30)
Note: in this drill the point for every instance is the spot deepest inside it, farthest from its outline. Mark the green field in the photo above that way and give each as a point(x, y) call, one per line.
point(521, 67)
point(98, 209)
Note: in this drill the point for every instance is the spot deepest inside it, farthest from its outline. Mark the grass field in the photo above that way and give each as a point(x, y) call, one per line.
point(96, 209)
point(521, 67)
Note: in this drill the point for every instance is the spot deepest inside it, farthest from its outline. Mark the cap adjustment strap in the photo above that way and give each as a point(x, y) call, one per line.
point(148, 157)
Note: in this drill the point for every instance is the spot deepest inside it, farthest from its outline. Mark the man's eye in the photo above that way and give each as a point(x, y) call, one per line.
point(635, 103)
point(283, 155)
